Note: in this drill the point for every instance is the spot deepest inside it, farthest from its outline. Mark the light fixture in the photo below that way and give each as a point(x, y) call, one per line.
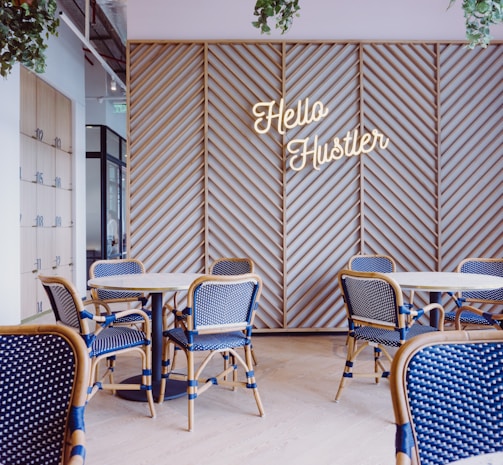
point(113, 85)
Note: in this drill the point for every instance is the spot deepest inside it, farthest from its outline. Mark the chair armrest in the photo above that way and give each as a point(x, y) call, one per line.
point(109, 319)
point(97, 304)
point(494, 319)
point(428, 308)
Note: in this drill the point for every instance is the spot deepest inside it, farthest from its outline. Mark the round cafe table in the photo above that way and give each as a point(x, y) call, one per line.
point(436, 282)
point(155, 284)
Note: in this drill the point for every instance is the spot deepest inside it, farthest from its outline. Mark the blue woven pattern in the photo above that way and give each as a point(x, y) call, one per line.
point(209, 341)
point(374, 264)
point(371, 298)
point(488, 268)
point(113, 269)
point(133, 318)
point(467, 318)
point(456, 400)
point(231, 267)
point(34, 402)
point(218, 303)
point(117, 338)
point(387, 337)
point(64, 306)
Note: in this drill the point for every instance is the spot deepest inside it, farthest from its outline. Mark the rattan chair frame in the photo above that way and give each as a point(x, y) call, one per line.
point(225, 266)
point(390, 331)
point(467, 315)
point(191, 340)
point(69, 309)
point(119, 266)
point(54, 409)
point(444, 389)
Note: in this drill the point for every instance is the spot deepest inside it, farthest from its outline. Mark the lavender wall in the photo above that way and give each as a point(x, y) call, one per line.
point(319, 19)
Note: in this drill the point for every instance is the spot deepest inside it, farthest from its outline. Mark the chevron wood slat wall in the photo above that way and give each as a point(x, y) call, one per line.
point(204, 183)
point(245, 171)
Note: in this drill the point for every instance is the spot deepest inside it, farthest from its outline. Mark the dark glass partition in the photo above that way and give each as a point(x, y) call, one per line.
point(105, 194)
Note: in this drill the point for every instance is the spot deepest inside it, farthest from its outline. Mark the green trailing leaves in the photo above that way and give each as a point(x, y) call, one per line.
point(283, 11)
point(480, 15)
point(25, 28)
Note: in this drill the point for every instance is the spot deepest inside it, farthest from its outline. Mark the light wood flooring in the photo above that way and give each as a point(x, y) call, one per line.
point(297, 376)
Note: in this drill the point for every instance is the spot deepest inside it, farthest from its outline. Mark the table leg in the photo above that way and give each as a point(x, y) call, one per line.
point(174, 388)
point(435, 298)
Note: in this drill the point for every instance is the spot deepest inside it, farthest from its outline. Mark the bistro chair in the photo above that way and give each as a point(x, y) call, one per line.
point(220, 312)
point(377, 317)
point(43, 391)
point(446, 389)
point(467, 314)
point(377, 263)
point(115, 267)
point(105, 341)
point(229, 266)
point(232, 266)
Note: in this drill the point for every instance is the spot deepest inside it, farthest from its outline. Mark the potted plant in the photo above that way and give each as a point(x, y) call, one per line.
point(25, 27)
point(479, 16)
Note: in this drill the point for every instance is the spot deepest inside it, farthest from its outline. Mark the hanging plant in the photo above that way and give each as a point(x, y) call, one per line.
point(479, 16)
point(283, 10)
point(25, 27)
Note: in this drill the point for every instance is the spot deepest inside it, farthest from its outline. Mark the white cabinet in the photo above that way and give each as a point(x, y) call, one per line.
point(45, 173)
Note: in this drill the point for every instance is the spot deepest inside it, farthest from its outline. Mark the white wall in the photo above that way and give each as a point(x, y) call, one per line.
point(9, 193)
point(65, 72)
point(319, 19)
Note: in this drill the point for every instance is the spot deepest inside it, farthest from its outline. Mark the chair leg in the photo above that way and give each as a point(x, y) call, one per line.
point(191, 389)
point(377, 364)
point(250, 378)
point(147, 379)
point(353, 353)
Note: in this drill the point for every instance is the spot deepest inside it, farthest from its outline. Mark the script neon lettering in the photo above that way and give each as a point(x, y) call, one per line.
point(266, 115)
point(320, 154)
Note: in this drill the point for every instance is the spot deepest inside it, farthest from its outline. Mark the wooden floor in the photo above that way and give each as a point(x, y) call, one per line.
point(297, 376)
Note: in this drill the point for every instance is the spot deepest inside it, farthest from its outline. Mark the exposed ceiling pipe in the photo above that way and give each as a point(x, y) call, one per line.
point(88, 44)
point(86, 21)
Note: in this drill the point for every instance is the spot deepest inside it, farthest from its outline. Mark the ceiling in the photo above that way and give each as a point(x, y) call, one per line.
point(107, 29)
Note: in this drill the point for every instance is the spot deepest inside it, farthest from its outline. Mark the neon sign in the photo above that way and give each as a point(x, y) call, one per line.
point(271, 114)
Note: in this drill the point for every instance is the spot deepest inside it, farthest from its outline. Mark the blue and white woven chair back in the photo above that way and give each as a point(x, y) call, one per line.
point(218, 303)
point(45, 371)
point(63, 305)
point(370, 298)
point(103, 268)
point(492, 267)
point(232, 266)
point(374, 263)
point(447, 389)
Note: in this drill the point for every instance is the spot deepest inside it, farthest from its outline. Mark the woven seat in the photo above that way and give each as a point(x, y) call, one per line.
point(446, 389)
point(219, 319)
point(117, 267)
point(106, 342)
point(43, 392)
point(470, 311)
point(377, 317)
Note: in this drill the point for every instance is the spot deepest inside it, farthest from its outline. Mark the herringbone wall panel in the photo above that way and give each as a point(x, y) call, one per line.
point(205, 184)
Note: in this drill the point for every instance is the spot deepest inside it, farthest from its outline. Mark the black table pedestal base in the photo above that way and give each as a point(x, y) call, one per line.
point(174, 389)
